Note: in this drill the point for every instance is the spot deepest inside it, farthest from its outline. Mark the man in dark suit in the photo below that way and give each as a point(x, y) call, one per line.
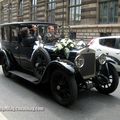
point(51, 36)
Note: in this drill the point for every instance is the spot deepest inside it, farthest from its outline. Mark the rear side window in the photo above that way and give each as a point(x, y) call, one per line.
point(108, 42)
point(14, 33)
point(5, 33)
point(118, 44)
point(42, 30)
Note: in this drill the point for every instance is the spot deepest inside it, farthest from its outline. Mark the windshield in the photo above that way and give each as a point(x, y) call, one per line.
point(45, 33)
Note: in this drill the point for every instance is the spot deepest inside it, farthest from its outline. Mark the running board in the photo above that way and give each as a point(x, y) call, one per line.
point(25, 76)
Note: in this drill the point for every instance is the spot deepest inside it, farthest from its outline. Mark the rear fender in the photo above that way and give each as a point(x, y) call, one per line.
point(52, 66)
point(3, 55)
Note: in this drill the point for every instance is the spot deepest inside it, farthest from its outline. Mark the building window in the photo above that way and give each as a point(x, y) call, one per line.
point(20, 10)
point(74, 12)
point(34, 9)
point(108, 11)
point(51, 10)
point(5, 33)
point(105, 34)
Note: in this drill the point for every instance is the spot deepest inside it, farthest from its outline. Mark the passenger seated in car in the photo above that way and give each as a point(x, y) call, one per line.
point(27, 38)
point(51, 36)
point(34, 32)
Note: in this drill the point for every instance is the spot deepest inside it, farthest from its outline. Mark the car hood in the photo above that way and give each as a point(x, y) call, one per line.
point(52, 48)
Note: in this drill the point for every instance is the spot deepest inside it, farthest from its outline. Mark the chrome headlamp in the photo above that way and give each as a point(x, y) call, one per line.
point(102, 59)
point(79, 61)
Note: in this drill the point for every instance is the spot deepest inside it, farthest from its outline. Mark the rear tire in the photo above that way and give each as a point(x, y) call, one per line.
point(40, 62)
point(63, 88)
point(6, 68)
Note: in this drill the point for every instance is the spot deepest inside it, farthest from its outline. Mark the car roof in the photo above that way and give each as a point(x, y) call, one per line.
point(107, 37)
point(26, 22)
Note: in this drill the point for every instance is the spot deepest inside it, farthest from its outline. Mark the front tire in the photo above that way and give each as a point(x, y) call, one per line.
point(63, 88)
point(108, 83)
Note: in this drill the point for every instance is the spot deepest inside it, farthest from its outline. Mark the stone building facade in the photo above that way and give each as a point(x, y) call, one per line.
point(87, 18)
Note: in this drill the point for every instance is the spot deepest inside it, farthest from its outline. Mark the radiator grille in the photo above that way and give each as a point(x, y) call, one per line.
point(89, 65)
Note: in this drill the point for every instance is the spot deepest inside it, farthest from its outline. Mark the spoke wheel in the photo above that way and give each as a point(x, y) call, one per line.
point(108, 84)
point(40, 63)
point(63, 88)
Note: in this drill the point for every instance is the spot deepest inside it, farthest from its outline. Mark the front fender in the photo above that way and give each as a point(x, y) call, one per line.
point(113, 60)
point(52, 66)
point(105, 68)
point(109, 60)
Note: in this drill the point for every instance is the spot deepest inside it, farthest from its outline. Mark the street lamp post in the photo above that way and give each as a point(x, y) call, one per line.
point(63, 19)
point(9, 12)
point(63, 14)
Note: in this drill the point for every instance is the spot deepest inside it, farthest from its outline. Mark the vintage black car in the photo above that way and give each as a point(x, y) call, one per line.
point(41, 63)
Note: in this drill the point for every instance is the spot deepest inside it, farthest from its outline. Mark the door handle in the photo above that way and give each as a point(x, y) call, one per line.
point(118, 53)
point(16, 47)
point(99, 50)
point(107, 53)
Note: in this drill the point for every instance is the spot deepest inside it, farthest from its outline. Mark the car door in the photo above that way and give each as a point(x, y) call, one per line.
point(10, 41)
point(25, 57)
point(117, 48)
point(26, 49)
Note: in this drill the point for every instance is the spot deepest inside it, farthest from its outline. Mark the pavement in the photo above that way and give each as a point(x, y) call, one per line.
point(21, 100)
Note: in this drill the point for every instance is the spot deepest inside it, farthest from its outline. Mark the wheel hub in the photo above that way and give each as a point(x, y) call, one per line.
point(37, 64)
point(103, 79)
point(58, 87)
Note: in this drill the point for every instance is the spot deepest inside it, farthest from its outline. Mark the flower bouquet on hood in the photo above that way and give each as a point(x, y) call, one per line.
point(64, 46)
